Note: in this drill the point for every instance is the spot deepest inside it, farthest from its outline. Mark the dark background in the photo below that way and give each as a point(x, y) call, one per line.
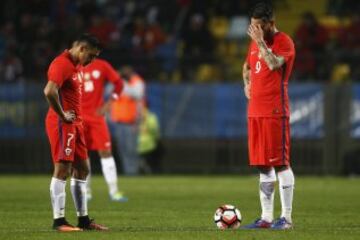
point(190, 53)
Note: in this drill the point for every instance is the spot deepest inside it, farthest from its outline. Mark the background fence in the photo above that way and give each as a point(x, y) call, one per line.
point(203, 128)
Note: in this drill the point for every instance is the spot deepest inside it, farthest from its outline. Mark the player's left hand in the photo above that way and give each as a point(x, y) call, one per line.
point(104, 108)
point(255, 32)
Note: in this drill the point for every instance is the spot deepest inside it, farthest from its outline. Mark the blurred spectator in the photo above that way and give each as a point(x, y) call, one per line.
point(197, 38)
point(349, 46)
point(147, 36)
point(10, 67)
point(102, 28)
point(62, 10)
point(166, 53)
point(150, 147)
point(311, 39)
point(305, 64)
point(153, 35)
point(126, 115)
point(7, 37)
point(25, 30)
point(198, 45)
point(139, 29)
point(349, 37)
point(311, 34)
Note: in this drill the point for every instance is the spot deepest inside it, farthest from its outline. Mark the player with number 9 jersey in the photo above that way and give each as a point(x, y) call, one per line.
point(268, 109)
point(266, 73)
point(269, 89)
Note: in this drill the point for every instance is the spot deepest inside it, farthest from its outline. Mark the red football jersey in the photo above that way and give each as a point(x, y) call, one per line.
point(269, 89)
point(65, 74)
point(96, 74)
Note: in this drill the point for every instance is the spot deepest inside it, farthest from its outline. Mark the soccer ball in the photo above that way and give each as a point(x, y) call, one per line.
point(227, 216)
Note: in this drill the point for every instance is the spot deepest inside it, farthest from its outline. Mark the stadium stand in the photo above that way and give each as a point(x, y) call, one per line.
point(156, 33)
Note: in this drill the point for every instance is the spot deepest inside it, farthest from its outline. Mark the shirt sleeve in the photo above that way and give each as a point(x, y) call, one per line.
point(57, 73)
point(286, 49)
point(112, 76)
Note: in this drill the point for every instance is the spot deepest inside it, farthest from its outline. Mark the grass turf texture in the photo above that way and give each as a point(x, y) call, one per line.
point(181, 208)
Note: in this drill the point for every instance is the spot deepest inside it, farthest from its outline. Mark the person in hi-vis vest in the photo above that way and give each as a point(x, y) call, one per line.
point(126, 114)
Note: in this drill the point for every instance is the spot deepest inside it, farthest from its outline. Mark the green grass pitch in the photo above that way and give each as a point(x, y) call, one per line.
point(181, 207)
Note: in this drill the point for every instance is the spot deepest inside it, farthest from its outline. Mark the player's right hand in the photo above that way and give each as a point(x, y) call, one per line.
point(69, 116)
point(247, 89)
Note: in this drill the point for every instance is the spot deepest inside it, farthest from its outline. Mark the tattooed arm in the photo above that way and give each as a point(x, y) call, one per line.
point(273, 61)
point(246, 79)
point(246, 73)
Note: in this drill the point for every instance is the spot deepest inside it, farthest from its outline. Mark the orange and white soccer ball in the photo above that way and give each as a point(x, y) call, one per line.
point(227, 217)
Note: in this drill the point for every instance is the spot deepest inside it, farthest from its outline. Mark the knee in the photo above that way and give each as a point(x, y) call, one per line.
point(268, 175)
point(105, 153)
point(80, 174)
point(81, 171)
point(62, 170)
point(265, 170)
point(282, 168)
point(85, 171)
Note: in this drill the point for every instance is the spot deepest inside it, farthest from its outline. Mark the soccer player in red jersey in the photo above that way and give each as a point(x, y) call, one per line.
point(266, 73)
point(66, 134)
point(97, 136)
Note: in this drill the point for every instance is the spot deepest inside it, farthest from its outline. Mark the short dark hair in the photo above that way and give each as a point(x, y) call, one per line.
point(263, 11)
point(90, 40)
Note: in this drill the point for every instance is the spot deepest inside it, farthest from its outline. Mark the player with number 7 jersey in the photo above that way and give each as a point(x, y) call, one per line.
point(66, 138)
point(64, 128)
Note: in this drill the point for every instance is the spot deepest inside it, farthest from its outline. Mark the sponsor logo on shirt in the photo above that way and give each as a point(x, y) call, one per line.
point(96, 74)
point(273, 159)
point(275, 111)
point(87, 76)
point(68, 151)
